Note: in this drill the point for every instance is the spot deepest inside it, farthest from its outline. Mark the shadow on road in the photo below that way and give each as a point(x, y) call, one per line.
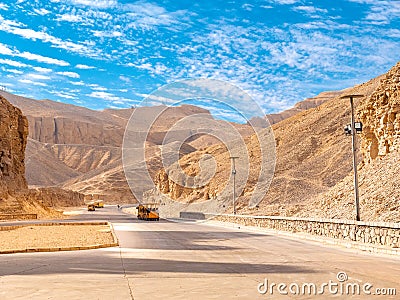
point(137, 266)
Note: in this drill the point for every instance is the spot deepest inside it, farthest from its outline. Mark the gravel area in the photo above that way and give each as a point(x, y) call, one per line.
point(54, 236)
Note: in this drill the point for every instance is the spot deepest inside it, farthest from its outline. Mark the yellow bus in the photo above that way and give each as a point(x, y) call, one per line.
point(148, 212)
point(98, 203)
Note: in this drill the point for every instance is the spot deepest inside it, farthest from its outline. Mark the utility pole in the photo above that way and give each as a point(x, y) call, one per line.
point(353, 146)
point(234, 187)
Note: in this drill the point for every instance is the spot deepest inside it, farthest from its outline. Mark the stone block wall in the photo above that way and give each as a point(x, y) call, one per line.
point(373, 233)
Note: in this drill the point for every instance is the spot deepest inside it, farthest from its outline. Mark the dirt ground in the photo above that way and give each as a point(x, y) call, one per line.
point(55, 236)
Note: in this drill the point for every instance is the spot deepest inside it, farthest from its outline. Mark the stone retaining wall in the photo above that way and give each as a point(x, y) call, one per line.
point(18, 216)
point(375, 233)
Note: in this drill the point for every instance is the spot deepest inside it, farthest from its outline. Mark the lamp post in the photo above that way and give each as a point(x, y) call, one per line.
point(234, 187)
point(351, 129)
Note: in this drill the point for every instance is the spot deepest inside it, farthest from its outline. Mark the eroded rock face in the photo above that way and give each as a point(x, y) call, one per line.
point(59, 130)
point(381, 118)
point(13, 138)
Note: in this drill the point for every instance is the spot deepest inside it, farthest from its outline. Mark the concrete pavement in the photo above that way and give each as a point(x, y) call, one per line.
point(169, 260)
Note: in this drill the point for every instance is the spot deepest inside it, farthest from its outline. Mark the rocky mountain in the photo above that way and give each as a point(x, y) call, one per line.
point(313, 176)
point(303, 105)
point(313, 166)
point(13, 137)
point(379, 184)
point(313, 155)
point(80, 149)
point(15, 197)
point(380, 115)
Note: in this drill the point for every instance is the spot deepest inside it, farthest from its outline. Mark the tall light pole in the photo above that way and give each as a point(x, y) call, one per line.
point(234, 187)
point(352, 130)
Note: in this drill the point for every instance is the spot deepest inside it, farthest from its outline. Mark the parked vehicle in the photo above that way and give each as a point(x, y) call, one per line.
point(91, 207)
point(98, 203)
point(148, 212)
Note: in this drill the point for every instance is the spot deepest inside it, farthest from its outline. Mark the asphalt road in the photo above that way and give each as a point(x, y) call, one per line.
point(187, 260)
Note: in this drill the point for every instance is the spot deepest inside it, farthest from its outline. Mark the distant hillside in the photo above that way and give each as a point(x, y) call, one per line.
point(379, 183)
point(303, 105)
point(313, 155)
point(80, 149)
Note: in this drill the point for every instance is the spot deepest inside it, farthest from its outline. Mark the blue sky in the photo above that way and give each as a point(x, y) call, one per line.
point(112, 53)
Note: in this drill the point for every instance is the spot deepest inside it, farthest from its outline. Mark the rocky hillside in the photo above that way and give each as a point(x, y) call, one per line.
point(13, 137)
point(303, 105)
point(313, 154)
point(80, 149)
point(15, 197)
point(379, 171)
point(380, 115)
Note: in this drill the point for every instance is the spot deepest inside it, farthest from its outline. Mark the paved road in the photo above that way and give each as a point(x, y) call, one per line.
point(171, 260)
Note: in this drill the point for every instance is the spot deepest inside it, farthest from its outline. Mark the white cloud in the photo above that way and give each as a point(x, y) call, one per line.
point(247, 6)
point(42, 70)
point(310, 9)
point(96, 3)
point(125, 79)
point(84, 67)
point(104, 96)
point(69, 18)
point(65, 95)
point(12, 63)
point(27, 81)
point(69, 74)
point(38, 76)
point(6, 50)
point(40, 58)
point(144, 66)
point(80, 83)
point(106, 34)
point(285, 2)
point(14, 71)
point(41, 11)
point(109, 97)
point(145, 15)
point(27, 33)
point(97, 87)
point(380, 12)
point(4, 6)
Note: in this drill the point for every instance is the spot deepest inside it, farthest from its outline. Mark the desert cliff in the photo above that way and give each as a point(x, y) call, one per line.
point(15, 197)
point(13, 138)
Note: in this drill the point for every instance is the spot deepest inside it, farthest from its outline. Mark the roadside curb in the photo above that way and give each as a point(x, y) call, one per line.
point(115, 238)
point(115, 242)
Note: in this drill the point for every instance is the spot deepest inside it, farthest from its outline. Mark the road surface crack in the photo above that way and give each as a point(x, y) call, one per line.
point(125, 275)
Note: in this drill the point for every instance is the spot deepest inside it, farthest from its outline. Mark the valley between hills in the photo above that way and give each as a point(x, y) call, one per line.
point(56, 155)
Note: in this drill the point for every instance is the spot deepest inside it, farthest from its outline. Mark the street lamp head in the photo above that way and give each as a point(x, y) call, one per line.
point(351, 96)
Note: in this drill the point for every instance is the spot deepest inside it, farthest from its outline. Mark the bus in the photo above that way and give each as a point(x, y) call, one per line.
point(148, 212)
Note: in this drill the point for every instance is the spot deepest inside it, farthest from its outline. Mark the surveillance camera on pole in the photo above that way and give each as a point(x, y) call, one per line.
point(234, 183)
point(352, 129)
point(358, 126)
